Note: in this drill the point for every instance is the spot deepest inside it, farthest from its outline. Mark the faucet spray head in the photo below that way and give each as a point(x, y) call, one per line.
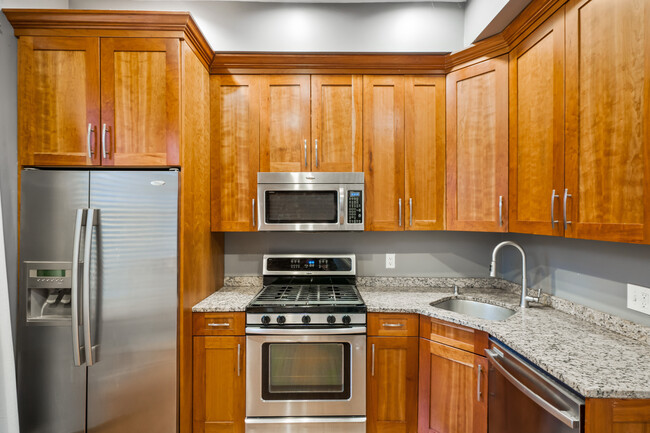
point(493, 269)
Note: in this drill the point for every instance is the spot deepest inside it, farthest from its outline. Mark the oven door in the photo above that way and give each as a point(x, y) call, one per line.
point(305, 375)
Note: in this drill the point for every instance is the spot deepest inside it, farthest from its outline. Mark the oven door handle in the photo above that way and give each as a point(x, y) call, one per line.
point(563, 416)
point(303, 331)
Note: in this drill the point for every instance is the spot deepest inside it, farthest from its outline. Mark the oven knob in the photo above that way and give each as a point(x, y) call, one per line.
point(281, 320)
point(346, 320)
point(331, 319)
point(266, 320)
point(306, 320)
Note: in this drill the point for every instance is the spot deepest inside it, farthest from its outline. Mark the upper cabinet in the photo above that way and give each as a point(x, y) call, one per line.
point(607, 170)
point(537, 130)
point(68, 116)
point(404, 153)
point(477, 147)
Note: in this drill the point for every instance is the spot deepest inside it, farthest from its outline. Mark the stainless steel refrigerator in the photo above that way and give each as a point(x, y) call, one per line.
point(98, 254)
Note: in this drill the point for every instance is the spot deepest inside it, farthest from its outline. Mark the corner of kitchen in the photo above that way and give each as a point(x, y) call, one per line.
point(350, 216)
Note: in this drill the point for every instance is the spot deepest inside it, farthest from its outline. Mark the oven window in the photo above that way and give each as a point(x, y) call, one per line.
point(296, 207)
point(305, 371)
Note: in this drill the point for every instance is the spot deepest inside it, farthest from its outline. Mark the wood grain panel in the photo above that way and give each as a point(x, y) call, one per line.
point(617, 416)
point(448, 400)
point(336, 123)
point(219, 384)
point(424, 148)
point(383, 151)
point(393, 324)
point(200, 250)
point(477, 143)
point(58, 97)
point(284, 123)
point(392, 384)
point(537, 130)
point(140, 101)
point(451, 334)
point(230, 323)
point(235, 125)
point(608, 86)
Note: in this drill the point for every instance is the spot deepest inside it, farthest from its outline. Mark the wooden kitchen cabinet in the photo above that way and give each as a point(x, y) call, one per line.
point(234, 112)
point(607, 168)
point(219, 396)
point(392, 373)
point(477, 147)
point(617, 416)
point(62, 96)
point(536, 181)
point(404, 153)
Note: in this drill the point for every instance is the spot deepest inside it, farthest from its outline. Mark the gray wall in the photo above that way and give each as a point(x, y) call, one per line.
point(478, 14)
point(356, 27)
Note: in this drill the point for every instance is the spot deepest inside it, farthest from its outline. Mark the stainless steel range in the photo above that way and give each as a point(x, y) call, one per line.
point(306, 347)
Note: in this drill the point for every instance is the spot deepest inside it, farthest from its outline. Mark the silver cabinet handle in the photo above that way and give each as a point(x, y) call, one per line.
point(89, 139)
point(478, 384)
point(553, 220)
point(316, 148)
point(500, 211)
point(410, 212)
point(74, 290)
point(393, 325)
point(341, 206)
point(372, 363)
point(218, 325)
point(399, 211)
point(566, 194)
point(305, 153)
point(238, 359)
point(253, 212)
point(90, 216)
point(104, 129)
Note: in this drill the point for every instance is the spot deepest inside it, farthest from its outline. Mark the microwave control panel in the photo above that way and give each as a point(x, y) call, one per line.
point(355, 207)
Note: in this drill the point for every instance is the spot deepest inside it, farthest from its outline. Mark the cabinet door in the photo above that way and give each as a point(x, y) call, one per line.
point(140, 102)
point(58, 101)
point(235, 151)
point(477, 147)
point(392, 384)
point(617, 416)
point(284, 123)
point(383, 151)
point(336, 123)
point(452, 391)
point(219, 402)
point(424, 144)
point(537, 130)
point(608, 111)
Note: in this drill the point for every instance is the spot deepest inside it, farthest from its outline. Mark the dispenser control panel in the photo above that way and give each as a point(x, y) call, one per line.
point(49, 286)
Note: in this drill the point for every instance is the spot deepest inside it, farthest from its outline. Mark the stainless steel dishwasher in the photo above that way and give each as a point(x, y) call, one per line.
point(522, 399)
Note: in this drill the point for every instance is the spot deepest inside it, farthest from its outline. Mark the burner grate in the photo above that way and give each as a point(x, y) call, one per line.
point(316, 294)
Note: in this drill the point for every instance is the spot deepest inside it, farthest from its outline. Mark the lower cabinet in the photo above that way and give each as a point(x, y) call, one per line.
point(617, 416)
point(453, 390)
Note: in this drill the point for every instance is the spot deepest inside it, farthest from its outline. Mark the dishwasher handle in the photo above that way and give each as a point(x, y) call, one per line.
point(565, 417)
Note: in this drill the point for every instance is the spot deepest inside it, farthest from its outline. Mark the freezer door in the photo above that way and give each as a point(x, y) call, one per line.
point(51, 390)
point(132, 382)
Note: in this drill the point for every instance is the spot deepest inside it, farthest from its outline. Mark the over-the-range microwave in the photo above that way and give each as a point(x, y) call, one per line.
point(310, 201)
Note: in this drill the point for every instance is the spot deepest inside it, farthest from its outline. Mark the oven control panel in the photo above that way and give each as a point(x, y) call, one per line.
point(316, 319)
point(355, 207)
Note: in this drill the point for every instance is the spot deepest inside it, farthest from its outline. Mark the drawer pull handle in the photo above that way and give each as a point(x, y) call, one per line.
point(393, 325)
point(218, 325)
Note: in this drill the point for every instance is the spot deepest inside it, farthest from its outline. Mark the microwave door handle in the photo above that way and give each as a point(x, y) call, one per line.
point(341, 206)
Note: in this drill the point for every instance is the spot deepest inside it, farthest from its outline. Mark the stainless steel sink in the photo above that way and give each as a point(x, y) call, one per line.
point(478, 309)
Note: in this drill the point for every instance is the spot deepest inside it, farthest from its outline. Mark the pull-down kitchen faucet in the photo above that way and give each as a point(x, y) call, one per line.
point(524, 290)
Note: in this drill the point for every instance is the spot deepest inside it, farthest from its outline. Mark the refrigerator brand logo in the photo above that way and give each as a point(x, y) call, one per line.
point(157, 182)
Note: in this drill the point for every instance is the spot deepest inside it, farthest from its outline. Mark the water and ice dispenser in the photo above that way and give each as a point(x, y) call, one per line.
point(48, 291)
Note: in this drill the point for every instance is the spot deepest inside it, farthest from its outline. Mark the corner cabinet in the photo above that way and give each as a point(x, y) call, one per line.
point(477, 147)
point(98, 101)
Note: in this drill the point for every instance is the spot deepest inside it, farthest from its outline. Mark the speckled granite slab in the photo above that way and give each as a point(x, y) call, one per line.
point(561, 337)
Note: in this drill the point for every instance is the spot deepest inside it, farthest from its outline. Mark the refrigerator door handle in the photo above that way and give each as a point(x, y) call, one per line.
point(91, 220)
point(74, 290)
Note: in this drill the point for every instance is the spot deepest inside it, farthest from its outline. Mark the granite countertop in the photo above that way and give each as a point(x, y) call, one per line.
point(598, 355)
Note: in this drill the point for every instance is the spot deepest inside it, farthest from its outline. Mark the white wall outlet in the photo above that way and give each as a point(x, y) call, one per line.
point(390, 261)
point(638, 298)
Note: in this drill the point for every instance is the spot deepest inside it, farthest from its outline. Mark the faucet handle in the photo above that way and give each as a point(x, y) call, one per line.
point(535, 298)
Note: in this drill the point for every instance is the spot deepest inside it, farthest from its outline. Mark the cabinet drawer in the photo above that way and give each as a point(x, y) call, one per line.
point(459, 336)
point(393, 324)
point(218, 323)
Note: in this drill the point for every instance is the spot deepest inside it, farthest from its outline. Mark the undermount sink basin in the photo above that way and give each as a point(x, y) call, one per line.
point(477, 309)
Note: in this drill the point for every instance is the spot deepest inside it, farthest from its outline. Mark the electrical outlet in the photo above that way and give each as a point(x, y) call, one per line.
point(638, 298)
point(390, 261)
